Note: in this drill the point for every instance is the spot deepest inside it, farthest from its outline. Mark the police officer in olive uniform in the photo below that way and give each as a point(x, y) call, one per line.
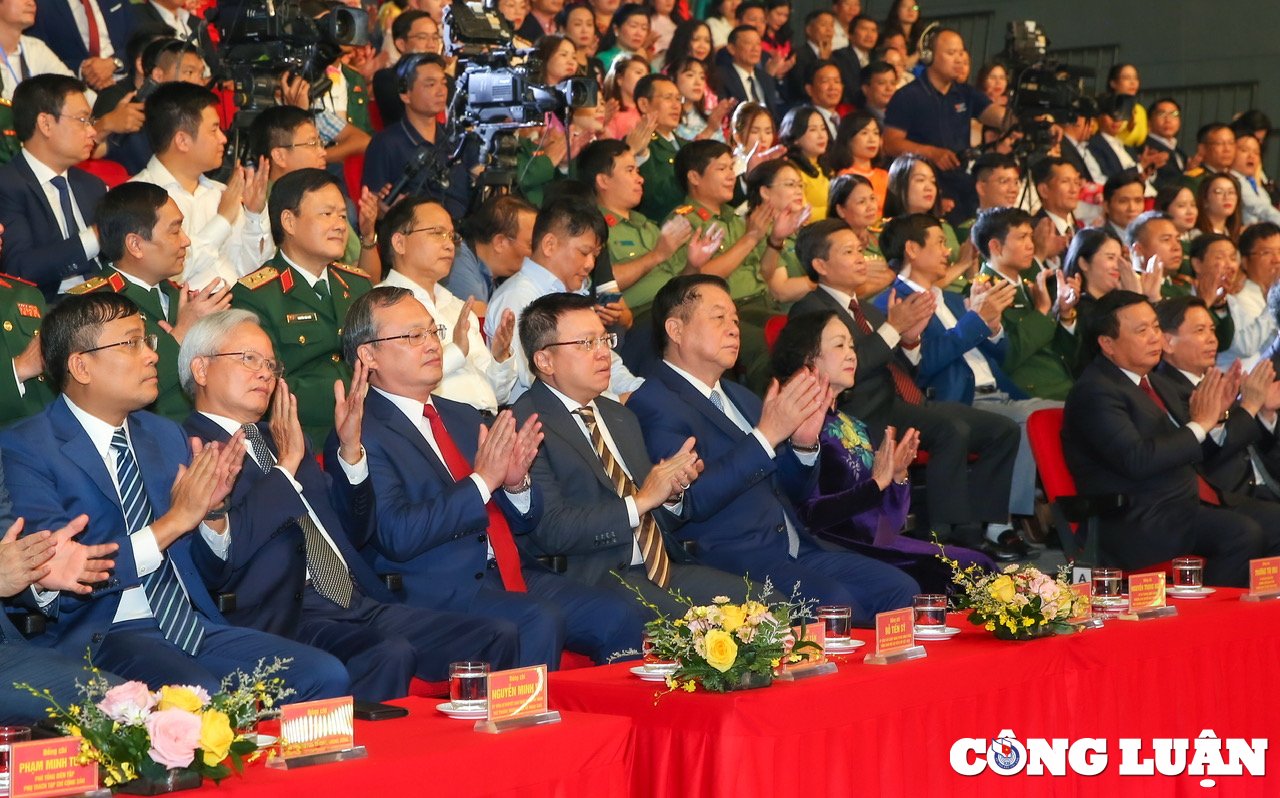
point(23, 390)
point(302, 295)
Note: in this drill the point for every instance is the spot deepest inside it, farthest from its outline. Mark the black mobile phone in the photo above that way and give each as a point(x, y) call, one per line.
point(371, 710)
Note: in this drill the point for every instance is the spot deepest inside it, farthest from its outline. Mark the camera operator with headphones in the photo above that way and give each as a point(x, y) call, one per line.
point(930, 117)
point(424, 89)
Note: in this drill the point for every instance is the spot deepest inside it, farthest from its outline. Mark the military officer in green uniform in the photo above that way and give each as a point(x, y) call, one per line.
point(658, 98)
point(1044, 341)
point(140, 229)
point(23, 389)
point(302, 295)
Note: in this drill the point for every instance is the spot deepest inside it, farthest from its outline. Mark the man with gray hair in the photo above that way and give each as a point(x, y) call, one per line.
point(294, 565)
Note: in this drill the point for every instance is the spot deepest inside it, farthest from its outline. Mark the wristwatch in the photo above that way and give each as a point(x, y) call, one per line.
point(523, 487)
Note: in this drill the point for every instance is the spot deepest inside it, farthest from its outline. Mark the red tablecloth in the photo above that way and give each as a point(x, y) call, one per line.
point(888, 730)
point(429, 754)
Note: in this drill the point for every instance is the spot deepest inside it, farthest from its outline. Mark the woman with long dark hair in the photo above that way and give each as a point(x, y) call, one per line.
point(804, 132)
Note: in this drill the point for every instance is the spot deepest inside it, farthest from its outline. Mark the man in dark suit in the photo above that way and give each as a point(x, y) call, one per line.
point(819, 30)
point(46, 204)
point(606, 527)
point(94, 452)
point(1164, 121)
point(1057, 182)
point(54, 561)
point(759, 458)
point(1233, 462)
point(744, 78)
point(92, 44)
point(447, 525)
point(1118, 437)
point(293, 567)
point(963, 498)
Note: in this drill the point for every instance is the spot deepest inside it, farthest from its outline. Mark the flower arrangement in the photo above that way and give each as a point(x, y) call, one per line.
point(722, 646)
point(133, 732)
point(1019, 602)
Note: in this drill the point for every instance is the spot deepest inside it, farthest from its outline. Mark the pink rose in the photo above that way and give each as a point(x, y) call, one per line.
point(175, 733)
point(128, 703)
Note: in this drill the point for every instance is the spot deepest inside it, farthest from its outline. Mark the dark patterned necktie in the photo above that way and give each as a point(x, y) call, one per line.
point(657, 564)
point(329, 574)
point(906, 387)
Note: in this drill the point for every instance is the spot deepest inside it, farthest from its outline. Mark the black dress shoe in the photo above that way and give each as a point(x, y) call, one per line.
point(999, 555)
point(1011, 543)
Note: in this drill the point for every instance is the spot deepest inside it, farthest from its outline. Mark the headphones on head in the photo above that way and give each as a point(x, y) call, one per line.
point(924, 45)
point(405, 70)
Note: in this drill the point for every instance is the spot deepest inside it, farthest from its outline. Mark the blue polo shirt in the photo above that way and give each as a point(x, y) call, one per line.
point(391, 148)
point(930, 117)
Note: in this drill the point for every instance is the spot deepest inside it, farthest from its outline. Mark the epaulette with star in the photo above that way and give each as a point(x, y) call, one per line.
point(255, 280)
point(356, 270)
point(95, 283)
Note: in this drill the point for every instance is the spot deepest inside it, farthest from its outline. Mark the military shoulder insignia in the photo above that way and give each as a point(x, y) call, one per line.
point(255, 280)
point(683, 209)
point(28, 310)
point(356, 270)
point(90, 285)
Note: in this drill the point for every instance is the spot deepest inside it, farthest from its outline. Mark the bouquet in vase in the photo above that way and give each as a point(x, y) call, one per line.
point(725, 646)
point(139, 735)
point(1018, 603)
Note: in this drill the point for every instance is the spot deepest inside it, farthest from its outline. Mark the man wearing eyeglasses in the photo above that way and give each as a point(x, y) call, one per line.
point(46, 204)
point(418, 245)
point(140, 227)
point(609, 508)
point(294, 567)
point(1164, 122)
point(303, 293)
point(95, 452)
point(451, 495)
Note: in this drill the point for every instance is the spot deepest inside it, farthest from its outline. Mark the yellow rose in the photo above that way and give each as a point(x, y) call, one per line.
point(1002, 589)
point(731, 617)
point(216, 736)
point(183, 698)
point(721, 650)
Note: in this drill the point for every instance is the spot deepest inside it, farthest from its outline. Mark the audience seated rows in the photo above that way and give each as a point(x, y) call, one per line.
point(709, 326)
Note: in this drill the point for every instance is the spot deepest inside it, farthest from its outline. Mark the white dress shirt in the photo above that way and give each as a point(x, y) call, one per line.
point(219, 248)
point(146, 552)
point(1255, 326)
point(105, 48)
point(520, 289)
point(33, 57)
point(88, 238)
point(148, 287)
point(179, 20)
point(476, 378)
point(413, 410)
point(748, 78)
point(1195, 427)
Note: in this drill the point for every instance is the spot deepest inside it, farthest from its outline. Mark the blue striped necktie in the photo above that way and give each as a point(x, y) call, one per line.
point(169, 602)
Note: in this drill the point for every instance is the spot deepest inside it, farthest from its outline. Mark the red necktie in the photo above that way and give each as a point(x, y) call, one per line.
point(906, 387)
point(504, 546)
point(1208, 494)
point(94, 47)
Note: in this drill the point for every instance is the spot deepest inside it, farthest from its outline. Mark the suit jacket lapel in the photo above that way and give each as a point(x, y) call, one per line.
point(383, 410)
point(37, 191)
point(156, 481)
point(559, 421)
point(696, 399)
point(630, 447)
point(302, 291)
point(78, 448)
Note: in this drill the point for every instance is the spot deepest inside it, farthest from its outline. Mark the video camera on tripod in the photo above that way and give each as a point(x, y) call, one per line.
point(1045, 91)
point(495, 95)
